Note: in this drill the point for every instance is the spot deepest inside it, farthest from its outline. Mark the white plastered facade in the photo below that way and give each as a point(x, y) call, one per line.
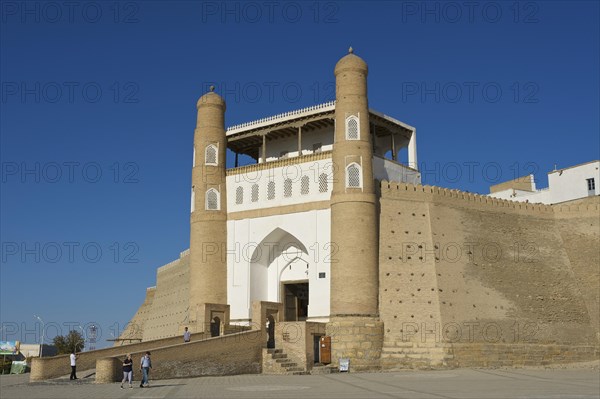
point(273, 250)
point(563, 185)
point(266, 252)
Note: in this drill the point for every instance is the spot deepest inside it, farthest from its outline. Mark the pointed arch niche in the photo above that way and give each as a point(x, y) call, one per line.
point(279, 259)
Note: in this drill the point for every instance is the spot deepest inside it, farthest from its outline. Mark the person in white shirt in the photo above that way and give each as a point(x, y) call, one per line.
point(73, 358)
point(186, 335)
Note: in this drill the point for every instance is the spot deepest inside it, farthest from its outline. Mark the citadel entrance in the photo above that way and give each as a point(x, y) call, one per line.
point(295, 301)
point(279, 272)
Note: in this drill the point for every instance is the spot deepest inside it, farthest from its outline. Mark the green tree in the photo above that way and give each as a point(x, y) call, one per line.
point(73, 341)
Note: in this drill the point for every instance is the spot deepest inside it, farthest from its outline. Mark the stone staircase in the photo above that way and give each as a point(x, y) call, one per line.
point(278, 362)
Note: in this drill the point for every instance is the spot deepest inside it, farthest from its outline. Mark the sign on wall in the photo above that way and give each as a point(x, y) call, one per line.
point(9, 347)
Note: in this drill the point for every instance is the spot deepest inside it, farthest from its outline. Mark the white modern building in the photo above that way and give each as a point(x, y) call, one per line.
point(33, 350)
point(565, 184)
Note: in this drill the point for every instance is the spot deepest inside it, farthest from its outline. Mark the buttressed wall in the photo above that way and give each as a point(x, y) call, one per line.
point(468, 280)
point(165, 310)
point(134, 330)
point(579, 225)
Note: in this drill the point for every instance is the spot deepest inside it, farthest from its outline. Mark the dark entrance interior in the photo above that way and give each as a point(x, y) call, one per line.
point(317, 348)
point(215, 327)
point(271, 332)
point(296, 301)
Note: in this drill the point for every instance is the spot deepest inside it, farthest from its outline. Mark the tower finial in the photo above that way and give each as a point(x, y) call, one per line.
point(351, 50)
point(211, 88)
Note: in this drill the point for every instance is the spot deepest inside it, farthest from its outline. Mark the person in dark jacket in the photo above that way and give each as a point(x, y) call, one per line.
point(127, 371)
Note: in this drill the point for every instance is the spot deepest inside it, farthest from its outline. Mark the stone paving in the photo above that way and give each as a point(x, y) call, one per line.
point(458, 383)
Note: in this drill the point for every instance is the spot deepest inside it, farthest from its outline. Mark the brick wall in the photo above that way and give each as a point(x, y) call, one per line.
point(238, 353)
point(134, 330)
point(297, 340)
point(52, 367)
point(578, 223)
point(359, 339)
point(169, 309)
point(463, 276)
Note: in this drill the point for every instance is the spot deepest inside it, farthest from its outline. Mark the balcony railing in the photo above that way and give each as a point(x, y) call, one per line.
point(278, 163)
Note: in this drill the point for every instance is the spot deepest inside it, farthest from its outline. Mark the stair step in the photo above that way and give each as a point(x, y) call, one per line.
point(285, 360)
point(324, 370)
point(286, 363)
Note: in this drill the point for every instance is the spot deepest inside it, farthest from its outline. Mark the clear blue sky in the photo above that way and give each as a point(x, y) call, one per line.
point(98, 104)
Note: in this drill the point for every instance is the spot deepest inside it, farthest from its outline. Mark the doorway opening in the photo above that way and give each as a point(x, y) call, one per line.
point(215, 327)
point(317, 349)
point(295, 301)
point(270, 332)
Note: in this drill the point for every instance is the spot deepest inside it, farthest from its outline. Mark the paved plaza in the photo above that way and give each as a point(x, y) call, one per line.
point(458, 383)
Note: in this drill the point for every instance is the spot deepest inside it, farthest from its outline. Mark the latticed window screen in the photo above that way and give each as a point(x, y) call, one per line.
point(353, 175)
point(323, 186)
point(254, 194)
point(239, 195)
point(193, 200)
point(287, 188)
point(304, 185)
point(271, 190)
point(212, 200)
point(211, 155)
point(352, 128)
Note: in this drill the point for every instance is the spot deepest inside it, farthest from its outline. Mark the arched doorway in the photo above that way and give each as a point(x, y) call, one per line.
point(270, 332)
point(279, 271)
point(215, 327)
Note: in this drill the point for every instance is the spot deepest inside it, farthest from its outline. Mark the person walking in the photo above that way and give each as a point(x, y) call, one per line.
point(127, 371)
point(145, 366)
point(73, 359)
point(186, 335)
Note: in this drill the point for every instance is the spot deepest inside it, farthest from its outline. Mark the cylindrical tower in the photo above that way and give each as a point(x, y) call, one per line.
point(354, 297)
point(354, 275)
point(208, 221)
